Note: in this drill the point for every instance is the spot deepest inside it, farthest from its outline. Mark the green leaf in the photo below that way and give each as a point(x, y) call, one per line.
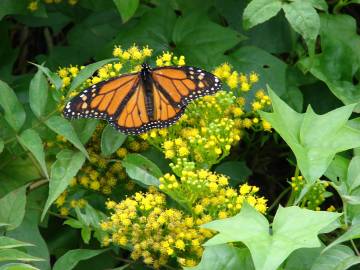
point(207, 38)
point(1, 145)
point(86, 234)
point(293, 228)
point(314, 139)
point(348, 262)
point(12, 208)
point(339, 49)
point(73, 223)
point(63, 127)
point(71, 258)
point(85, 128)
point(16, 255)
point(31, 140)
point(352, 233)
point(259, 11)
point(142, 170)
point(338, 169)
point(236, 170)
point(12, 7)
point(249, 58)
point(302, 258)
point(353, 175)
point(319, 4)
point(18, 266)
point(7, 242)
point(88, 71)
point(64, 168)
point(224, 257)
point(29, 231)
point(126, 8)
point(17, 173)
point(14, 112)
point(111, 140)
point(304, 19)
point(38, 93)
point(52, 76)
point(332, 258)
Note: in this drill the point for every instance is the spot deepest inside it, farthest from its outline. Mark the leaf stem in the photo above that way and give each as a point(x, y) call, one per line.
point(276, 202)
point(292, 194)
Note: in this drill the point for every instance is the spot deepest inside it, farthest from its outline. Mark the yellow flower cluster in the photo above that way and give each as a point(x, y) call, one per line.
point(155, 232)
point(207, 194)
point(168, 59)
point(133, 56)
point(67, 74)
point(234, 79)
point(204, 134)
point(34, 4)
point(314, 197)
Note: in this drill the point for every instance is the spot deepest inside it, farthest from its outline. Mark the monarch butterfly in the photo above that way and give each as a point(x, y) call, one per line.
point(137, 102)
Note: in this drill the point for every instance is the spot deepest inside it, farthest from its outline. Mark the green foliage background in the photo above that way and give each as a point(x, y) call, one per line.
point(307, 51)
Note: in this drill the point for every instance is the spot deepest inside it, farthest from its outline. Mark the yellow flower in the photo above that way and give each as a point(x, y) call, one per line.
point(126, 55)
point(159, 62)
point(237, 111)
point(245, 86)
point(247, 123)
point(168, 145)
point(261, 208)
point(117, 66)
point(166, 57)
point(147, 52)
point(63, 72)
point(117, 52)
point(260, 94)
point(72, 2)
point(170, 251)
point(183, 151)
point(179, 244)
point(64, 211)
point(245, 189)
point(232, 80)
point(33, 6)
point(121, 152)
point(181, 60)
point(266, 125)
point(74, 71)
point(256, 106)
point(66, 81)
point(254, 77)
point(169, 154)
point(95, 80)
point(198, 209)
point(222, 215)
point(95, 185)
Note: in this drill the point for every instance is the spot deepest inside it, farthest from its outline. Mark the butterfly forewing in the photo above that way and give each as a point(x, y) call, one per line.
point(184, 84)
point(102, 100)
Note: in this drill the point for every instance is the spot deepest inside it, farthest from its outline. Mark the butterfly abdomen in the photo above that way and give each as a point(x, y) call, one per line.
point(147, 86)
